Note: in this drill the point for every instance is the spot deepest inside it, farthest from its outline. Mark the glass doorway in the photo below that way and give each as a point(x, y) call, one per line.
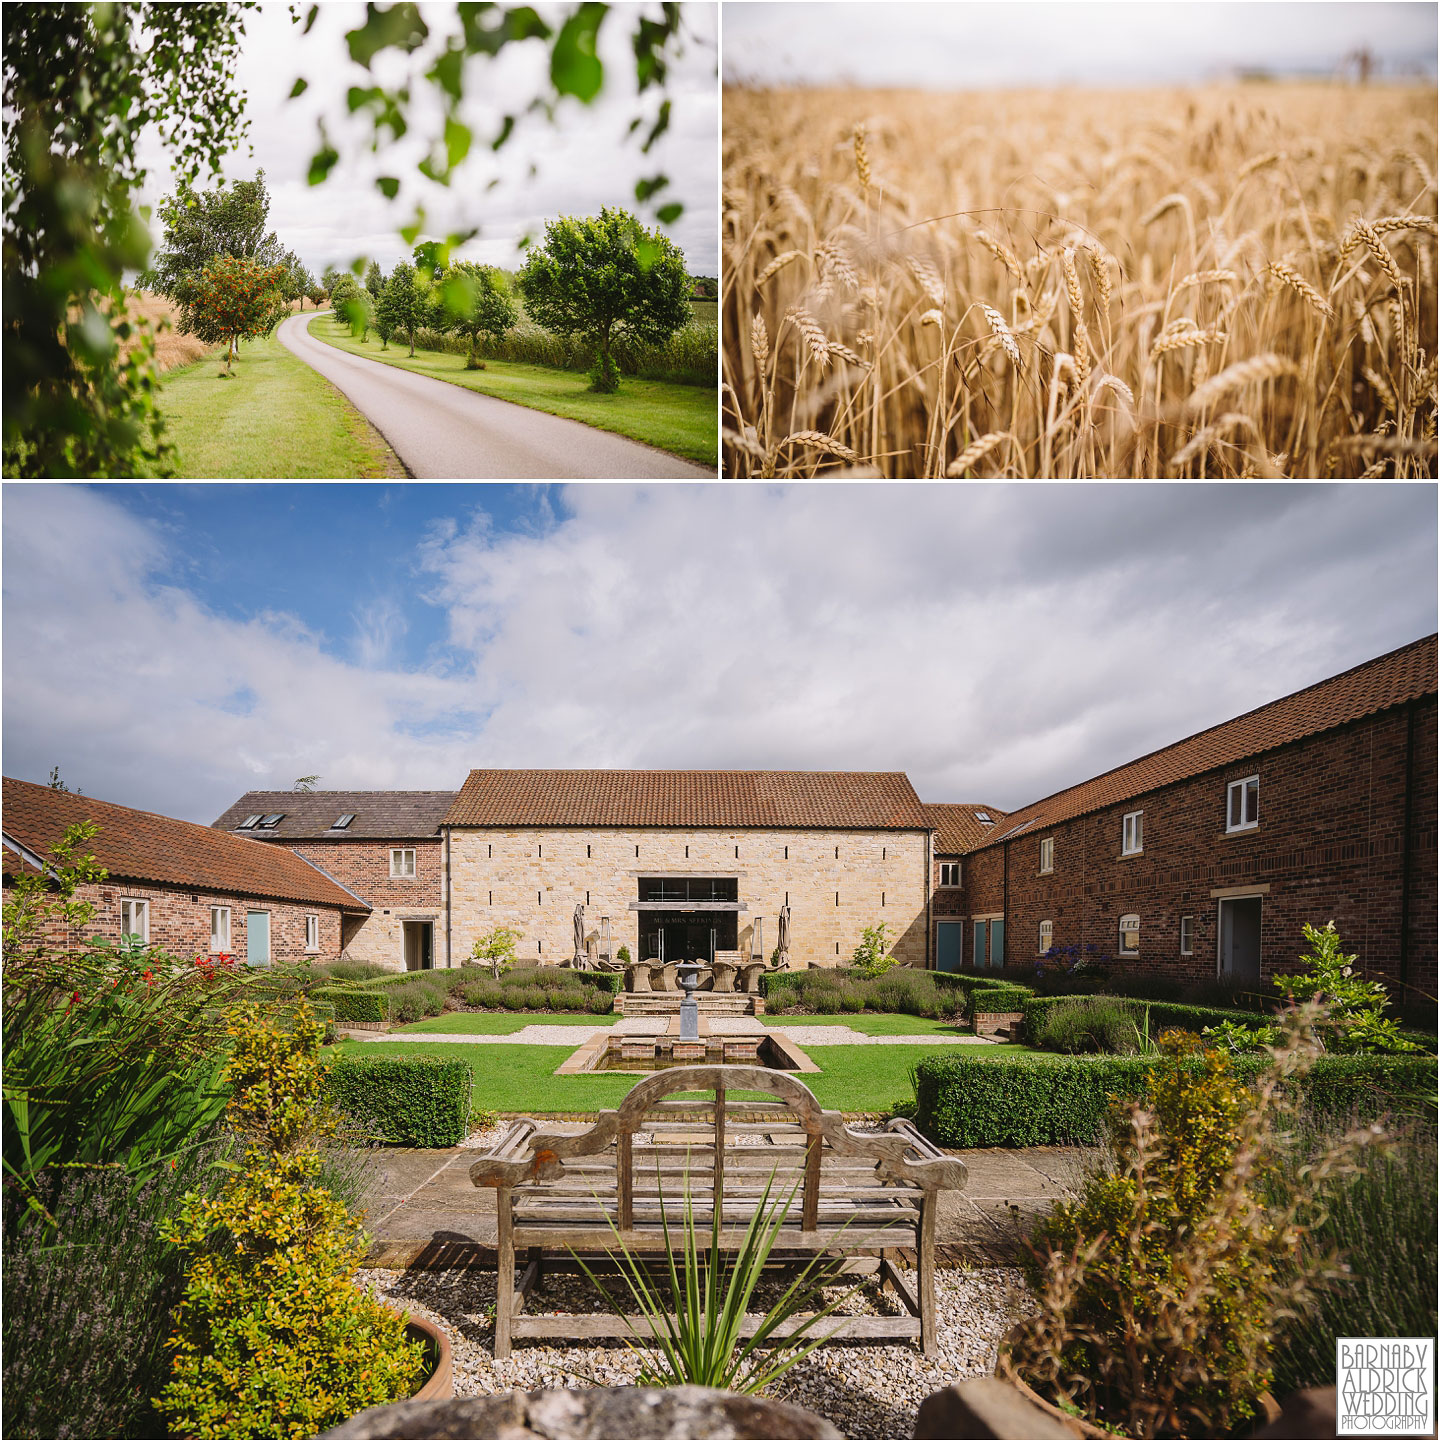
point(687, 935)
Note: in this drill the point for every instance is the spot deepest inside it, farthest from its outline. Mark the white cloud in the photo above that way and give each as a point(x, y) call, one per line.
point(995, 642)
point(584, 161)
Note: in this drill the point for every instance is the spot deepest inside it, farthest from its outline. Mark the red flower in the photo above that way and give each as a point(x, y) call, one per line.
point(149, 976)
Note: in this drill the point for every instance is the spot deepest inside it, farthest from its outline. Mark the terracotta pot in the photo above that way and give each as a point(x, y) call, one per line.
point(440, 1383)
point(1076, 1426)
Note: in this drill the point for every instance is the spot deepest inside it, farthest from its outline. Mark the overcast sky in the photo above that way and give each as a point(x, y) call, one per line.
point(172, 647)
point(959, 44)
point(584, 161)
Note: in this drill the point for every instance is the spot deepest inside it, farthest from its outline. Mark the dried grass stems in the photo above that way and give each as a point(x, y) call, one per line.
point(1217, 285)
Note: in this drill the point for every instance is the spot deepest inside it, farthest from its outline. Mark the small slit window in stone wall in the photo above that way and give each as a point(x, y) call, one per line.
point(837, 898)
point(587, 850)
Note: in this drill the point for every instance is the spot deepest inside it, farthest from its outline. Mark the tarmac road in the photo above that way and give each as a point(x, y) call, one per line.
point(444, 432)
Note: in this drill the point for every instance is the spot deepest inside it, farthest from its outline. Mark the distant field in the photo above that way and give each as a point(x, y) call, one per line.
point(1228, 282)
point(274, 418)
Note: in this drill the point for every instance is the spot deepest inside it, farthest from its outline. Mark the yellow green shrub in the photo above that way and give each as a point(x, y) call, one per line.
point(271, 1337)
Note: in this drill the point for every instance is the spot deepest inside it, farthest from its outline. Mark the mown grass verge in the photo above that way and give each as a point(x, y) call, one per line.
point(275, 417)
point(681, 419)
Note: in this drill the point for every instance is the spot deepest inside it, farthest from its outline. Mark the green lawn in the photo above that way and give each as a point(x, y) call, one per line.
point(502, 1023)
point(516, 1078)
point(676, 418)
point(274, 417)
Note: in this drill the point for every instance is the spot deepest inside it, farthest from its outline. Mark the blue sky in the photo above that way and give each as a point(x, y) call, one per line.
point(344, 559)
point(170, 647)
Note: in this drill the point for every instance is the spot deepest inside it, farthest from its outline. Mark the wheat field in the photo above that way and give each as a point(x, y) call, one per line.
point(1231, 282)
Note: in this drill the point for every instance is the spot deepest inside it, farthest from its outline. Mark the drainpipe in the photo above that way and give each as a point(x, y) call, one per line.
point(931, 961)
point(1405, 851)
point(449, 962)
point(1005, 902)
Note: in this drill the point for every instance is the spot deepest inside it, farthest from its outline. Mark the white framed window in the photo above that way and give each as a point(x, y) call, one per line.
point(1187, 936)
point(402, 861)
point(949, 873)
point(1047, 855)
point(1132, 833)
point(312, 932)
point(1047, 936)
point(1130, 935)
point(1242, 804)
point(219, 928)
point(135, 919)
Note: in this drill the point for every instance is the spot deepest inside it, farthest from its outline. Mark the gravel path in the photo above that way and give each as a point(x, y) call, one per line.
point(865, 1389)
point(443, 431)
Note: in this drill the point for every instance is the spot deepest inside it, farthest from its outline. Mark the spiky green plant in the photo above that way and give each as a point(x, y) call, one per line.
point(696, 1339)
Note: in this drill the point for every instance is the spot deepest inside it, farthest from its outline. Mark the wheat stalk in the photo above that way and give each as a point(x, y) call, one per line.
point(1288, 275)
point(1001, 331)
point(1363, 233)
point(862, 158)
point(929, 279)
point(779, 263)
point(1243, 373)
point(814, 336)
point(759, 341)
point(1202, 438)
point(1000, 251)
point(819, 441)
point(975, 452)
point(1183, 340)
point(1207, 277)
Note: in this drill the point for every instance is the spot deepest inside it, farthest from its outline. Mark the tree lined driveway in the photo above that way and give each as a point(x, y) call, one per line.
point(444, 432)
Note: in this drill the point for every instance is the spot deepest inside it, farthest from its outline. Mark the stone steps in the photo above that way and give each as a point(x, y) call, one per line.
point(667, 1003)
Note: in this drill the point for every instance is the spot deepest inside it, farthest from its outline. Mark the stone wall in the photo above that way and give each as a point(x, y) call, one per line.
point(837, 883)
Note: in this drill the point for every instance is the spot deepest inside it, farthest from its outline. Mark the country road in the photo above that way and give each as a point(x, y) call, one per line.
point(444, 432)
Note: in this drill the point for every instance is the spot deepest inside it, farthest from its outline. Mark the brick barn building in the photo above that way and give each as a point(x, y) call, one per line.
point(1204, 859)
point(385, 846)
point(183, 887)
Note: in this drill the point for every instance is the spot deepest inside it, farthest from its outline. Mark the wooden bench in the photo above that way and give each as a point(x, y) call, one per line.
point(865, 1194)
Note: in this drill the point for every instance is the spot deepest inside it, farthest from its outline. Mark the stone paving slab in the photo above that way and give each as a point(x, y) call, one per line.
point(571, 1036)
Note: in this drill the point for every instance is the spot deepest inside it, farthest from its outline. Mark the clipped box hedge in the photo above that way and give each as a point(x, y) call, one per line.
point(1044, 1100)
point(1163, 1014)
point(350, 1004)
point(407, 1101)
point(997, 999)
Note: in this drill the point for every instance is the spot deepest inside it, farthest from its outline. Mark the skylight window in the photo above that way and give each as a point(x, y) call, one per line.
point(270, 822)
point(983, 817)
point(343, 822)
point(1016, 830)
point(248, 824)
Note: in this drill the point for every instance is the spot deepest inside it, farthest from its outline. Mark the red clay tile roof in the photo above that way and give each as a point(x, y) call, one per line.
point(958, 828)
point(848, 800)
point(140, 846)
point(1390, 680)
point(379, 815)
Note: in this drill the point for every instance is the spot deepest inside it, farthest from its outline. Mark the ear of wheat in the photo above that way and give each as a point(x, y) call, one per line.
point(1288, 275)
point(1268, 366)
point(1183, 340)
point(1001, 331)
point(759, 341)
point(862, 158)
point(975, 452)
point(814, 337)
point(777, 265)
point(819, 441)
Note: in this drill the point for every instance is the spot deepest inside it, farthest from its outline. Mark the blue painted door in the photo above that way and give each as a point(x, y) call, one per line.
point(997, 944)
point(948, 936)
point(977, 955)
point(257, 938)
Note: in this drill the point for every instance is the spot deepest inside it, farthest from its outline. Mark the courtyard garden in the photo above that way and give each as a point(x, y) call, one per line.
point(1280, 1159)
